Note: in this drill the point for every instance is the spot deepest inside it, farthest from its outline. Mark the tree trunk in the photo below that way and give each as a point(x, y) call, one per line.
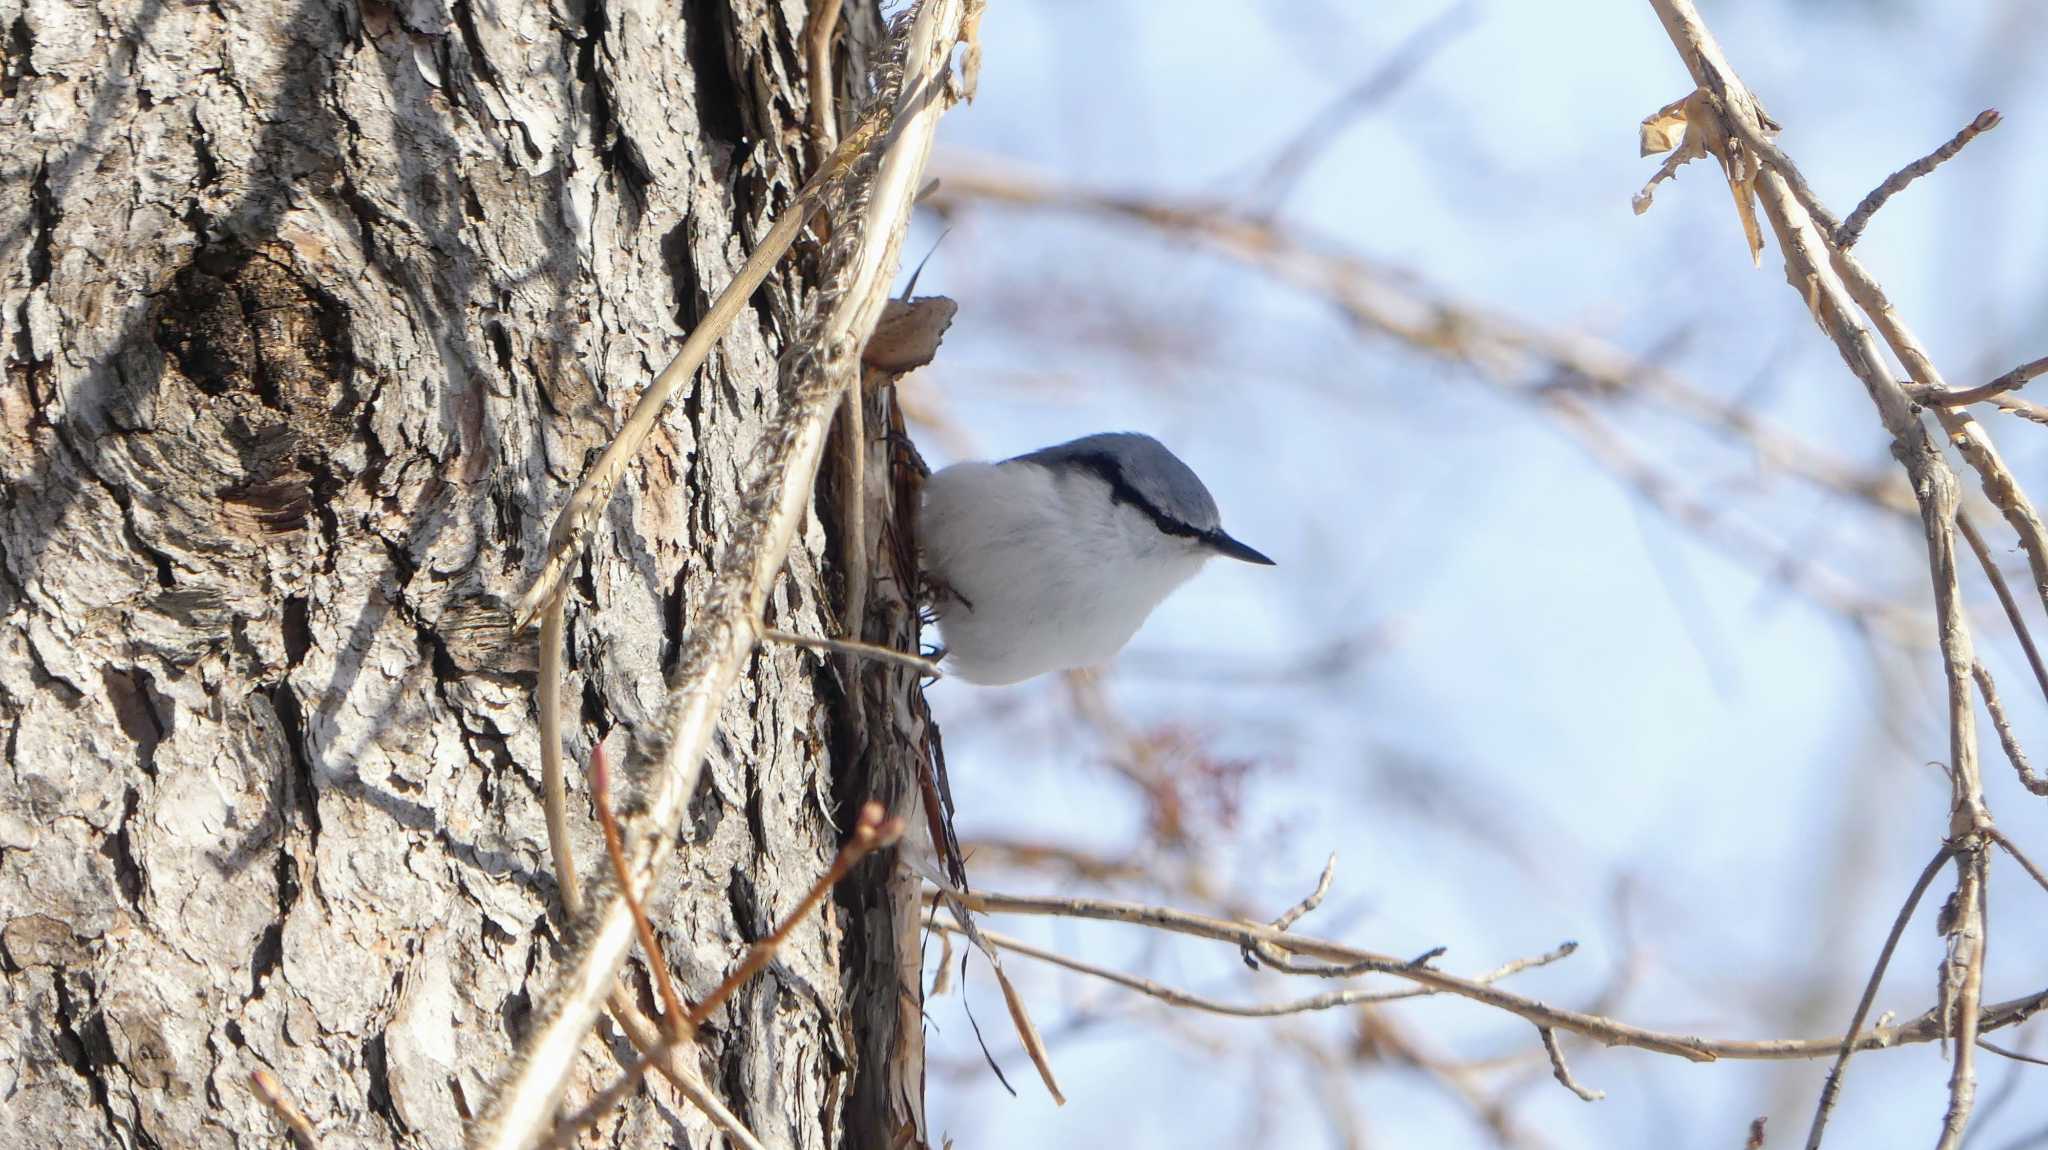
point(312, 316)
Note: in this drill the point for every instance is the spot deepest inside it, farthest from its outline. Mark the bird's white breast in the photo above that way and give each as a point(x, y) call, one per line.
point(1045, 571)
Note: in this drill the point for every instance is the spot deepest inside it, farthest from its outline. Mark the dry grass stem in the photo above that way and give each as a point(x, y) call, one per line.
point(724, 631)
point(1852, 228)
point(672, 1061)
point(570, 1130)
point(821, 23)
point(296, 1124)
point(578, 519)
point(918, 663)
point(1027, 1033)
point(554, 785)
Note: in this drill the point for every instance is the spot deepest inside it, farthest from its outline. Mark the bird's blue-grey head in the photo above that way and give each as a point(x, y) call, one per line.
point(1140, 471)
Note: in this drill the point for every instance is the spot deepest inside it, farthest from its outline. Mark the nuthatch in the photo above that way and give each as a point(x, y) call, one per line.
point(1052, 560)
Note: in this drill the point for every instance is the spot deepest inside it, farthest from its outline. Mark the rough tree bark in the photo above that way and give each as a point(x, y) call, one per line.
point(312, 315)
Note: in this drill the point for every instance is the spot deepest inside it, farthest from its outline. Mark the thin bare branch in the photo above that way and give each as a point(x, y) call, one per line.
point(2029, 778)
point(2015, 1055)
point(1831, 1090)
point(2011, 381)
point(1835, 287)
point(2020, 857)
point(1173, 996)
point(1967, 943)
point(2024, 408)
point(2005, 599)
point(1315, 897)
point(1925, 1028)
point(871, 832)
point(1852, 228)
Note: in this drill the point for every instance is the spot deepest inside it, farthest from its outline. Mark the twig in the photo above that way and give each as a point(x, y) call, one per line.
point(1563, 1072)
point(2029, 778)
point(295, 1121)
point(822, 21)
point(569, 1130)
point(1315, 897)
point(1925, 1028)
point(1852, 228)
point(723, 633)
point(2005, 599)
point(870, 832)
point(2015, 1055)
point(1173, 996)
point(673, 1017)
point(669, 1058)
point(1824, 272)
point(916, 663)
point(1254, 955)
point(1832, 1088)
point(2020, 857)
point(645, 1035)
point(2011, 381)
point(2026, 409)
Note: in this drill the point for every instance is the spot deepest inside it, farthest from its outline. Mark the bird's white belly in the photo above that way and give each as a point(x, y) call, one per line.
point(1044, 573)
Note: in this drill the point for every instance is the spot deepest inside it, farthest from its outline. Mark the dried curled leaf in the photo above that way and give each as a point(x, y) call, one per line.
point(1664, 128)
point(1690, 128)
point(908, 334)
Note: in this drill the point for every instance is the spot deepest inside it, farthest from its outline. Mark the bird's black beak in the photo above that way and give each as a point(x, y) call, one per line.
point(1224, 545)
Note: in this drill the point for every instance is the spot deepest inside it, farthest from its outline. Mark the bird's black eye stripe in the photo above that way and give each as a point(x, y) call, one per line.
point(1121, 491)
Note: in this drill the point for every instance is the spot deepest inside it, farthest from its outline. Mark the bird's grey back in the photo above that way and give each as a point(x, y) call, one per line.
point(1139, 469)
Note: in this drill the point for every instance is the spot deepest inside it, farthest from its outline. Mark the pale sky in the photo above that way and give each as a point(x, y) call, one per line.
point(1587, 691)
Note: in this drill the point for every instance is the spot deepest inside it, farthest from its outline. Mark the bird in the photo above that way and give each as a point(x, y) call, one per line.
point(1051, 560)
